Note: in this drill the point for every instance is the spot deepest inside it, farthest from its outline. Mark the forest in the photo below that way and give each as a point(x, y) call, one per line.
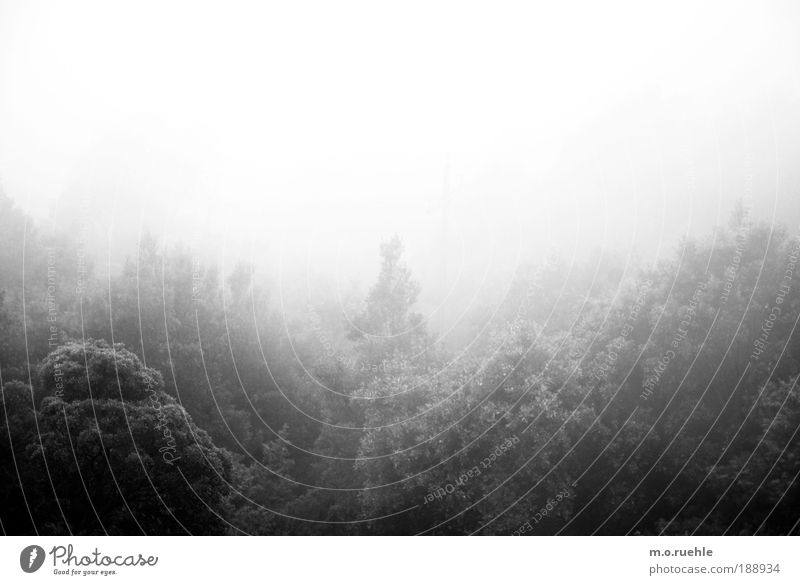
point(596, 397)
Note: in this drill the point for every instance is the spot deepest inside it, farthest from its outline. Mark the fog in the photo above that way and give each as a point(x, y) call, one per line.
point(299, 136)
point(306, 268)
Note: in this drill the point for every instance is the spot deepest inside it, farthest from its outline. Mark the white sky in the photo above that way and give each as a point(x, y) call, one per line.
point(331, 122)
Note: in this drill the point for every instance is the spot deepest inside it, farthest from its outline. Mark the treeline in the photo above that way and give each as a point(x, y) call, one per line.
point(170, 398)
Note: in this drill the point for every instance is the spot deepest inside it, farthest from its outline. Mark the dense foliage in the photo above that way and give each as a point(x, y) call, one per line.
point(592, 398)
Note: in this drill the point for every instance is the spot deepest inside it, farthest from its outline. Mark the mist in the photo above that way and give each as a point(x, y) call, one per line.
point(306, 134)
point(346, 252)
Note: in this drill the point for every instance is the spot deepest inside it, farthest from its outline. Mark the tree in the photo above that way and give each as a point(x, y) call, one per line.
point(128, 459)
point(97, 370)
point(387, 330)
point(17, 431)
